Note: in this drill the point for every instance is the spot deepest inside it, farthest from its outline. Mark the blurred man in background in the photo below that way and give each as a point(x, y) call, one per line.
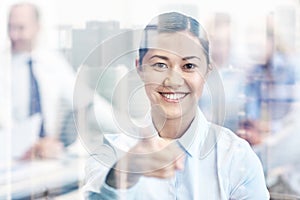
point(41, 85)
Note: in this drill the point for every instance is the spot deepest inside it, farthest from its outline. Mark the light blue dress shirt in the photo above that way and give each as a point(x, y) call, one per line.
point(218, 165)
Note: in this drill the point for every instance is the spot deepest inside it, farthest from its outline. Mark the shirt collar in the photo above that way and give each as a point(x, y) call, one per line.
point(21, 56)
point(193, 138)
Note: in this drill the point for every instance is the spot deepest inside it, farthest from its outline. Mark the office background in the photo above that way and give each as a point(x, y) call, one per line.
point(75, 28)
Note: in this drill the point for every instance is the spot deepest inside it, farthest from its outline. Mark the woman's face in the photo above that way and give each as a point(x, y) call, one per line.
point(173, 71)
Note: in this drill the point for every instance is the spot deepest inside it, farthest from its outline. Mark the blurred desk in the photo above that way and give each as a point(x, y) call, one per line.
point(40, 178)
point(280, 159)
point(287, 183)
point(74, 195)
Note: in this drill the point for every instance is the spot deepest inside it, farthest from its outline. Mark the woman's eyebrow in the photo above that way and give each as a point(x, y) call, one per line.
point(191, 57)
point(159, 56)
point(166, 58)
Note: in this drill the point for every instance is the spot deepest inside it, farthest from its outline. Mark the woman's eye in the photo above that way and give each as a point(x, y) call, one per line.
point(189, 66)
point(160, 65)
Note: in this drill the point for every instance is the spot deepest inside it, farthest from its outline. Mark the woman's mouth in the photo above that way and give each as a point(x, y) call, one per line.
point(173, 97)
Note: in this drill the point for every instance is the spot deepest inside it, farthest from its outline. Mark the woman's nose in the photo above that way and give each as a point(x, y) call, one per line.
point(174, 79)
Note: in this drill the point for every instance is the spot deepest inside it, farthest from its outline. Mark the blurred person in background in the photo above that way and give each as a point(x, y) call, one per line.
point(229, 98)
point(270, 89)
point(272, 111)
point(39, 90)
point(41, 84)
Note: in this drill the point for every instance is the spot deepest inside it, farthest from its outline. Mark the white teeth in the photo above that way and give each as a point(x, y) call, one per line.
point(173, 96)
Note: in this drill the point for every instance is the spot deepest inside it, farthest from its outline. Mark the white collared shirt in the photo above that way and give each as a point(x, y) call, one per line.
point(55, 79)
point(218, 165)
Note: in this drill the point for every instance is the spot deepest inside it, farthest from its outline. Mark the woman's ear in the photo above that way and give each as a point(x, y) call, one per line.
point(209, 69)
point(139, 68)
point(137, 64)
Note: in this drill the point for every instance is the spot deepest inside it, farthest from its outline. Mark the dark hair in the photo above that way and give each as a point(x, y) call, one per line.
point(170, 23)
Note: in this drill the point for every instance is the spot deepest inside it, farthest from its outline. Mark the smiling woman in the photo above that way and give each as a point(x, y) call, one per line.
point(180, 155)
point(174, 83)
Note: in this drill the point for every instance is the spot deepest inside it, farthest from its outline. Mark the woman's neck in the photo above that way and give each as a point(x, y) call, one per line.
point(172, 128)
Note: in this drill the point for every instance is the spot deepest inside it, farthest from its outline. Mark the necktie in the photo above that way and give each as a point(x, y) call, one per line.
point(35, 104)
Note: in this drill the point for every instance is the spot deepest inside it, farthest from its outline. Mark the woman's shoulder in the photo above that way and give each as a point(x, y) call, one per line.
point(227, 140)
